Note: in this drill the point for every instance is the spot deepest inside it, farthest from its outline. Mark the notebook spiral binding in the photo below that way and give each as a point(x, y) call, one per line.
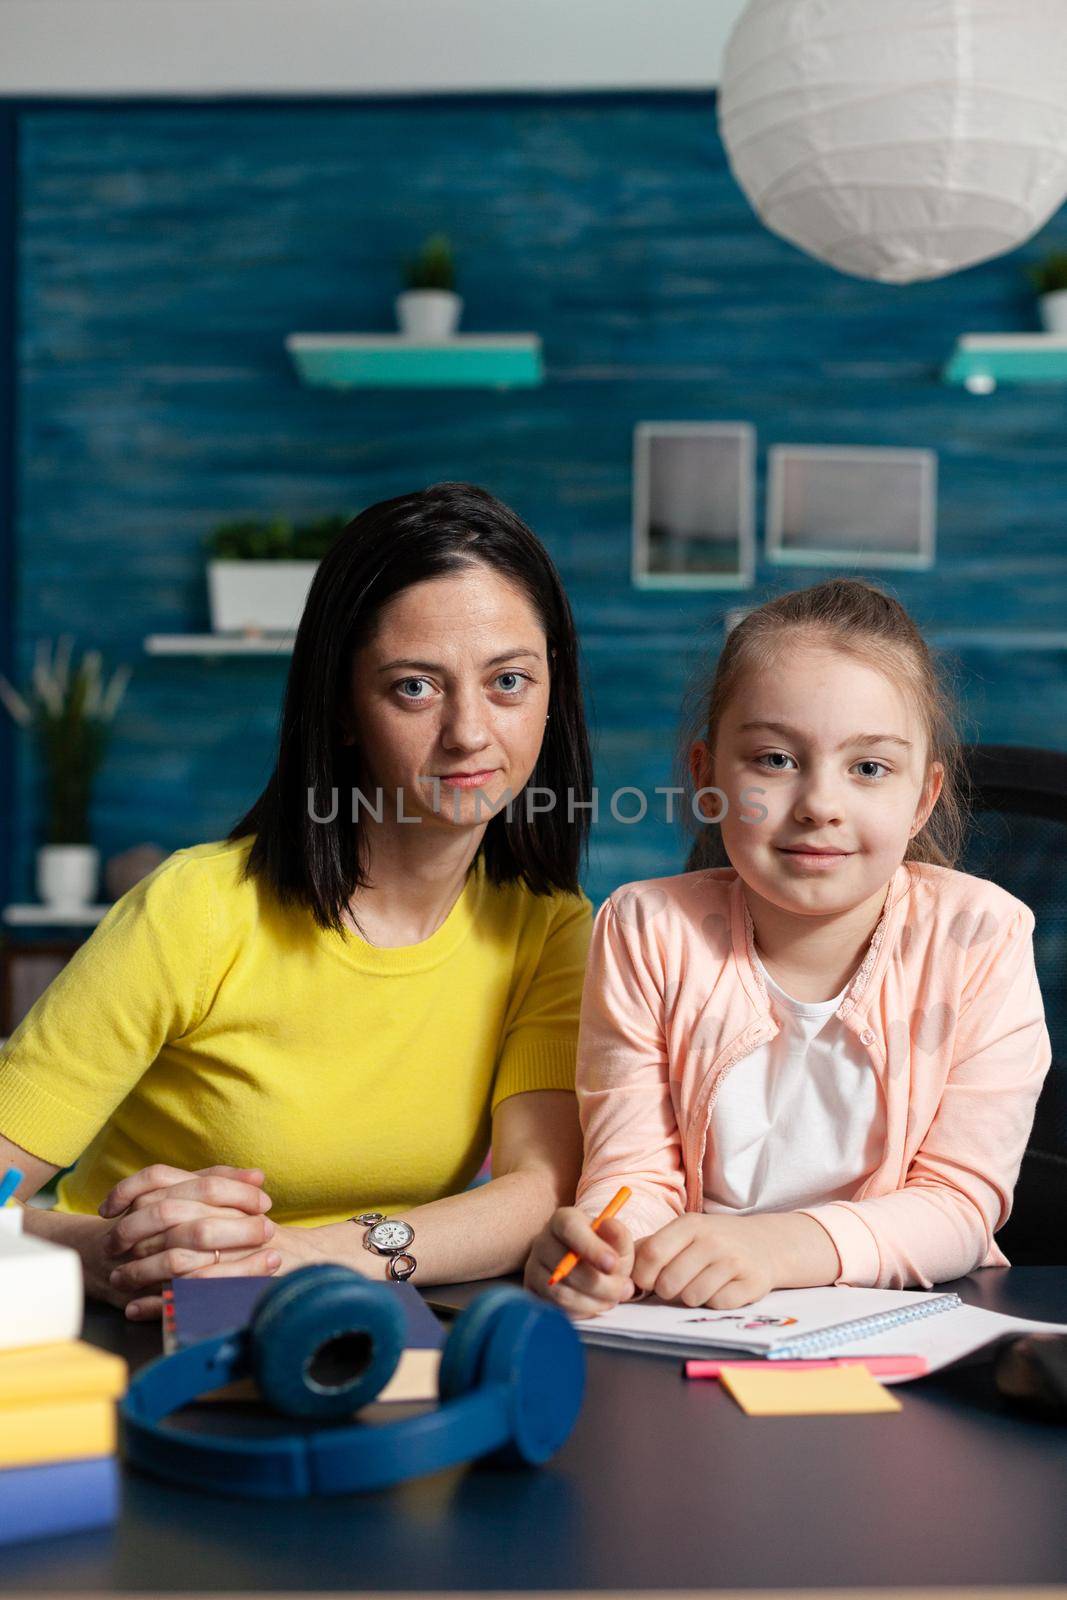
point(861, 1328)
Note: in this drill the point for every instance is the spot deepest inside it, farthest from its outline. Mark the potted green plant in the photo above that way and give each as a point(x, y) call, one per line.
point(429, 309)
point(1049, 278)
point(260, 570)
point(70, 710)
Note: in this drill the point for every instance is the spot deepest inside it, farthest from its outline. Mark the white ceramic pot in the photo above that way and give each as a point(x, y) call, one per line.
point(428, 315)
point(67, 875)
point(258, 596)
point(1053, 309)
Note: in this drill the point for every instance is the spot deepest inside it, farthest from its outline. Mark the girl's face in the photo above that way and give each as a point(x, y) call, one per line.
point(841, 763)
point(454, 682)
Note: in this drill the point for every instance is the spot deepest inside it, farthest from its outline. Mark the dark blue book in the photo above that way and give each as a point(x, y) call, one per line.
point(60, 1497)
point(198, 1308)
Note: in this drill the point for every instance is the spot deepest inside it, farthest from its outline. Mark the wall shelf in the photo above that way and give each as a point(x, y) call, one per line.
point(38, 916)
point(982, 360)
point(279, 644)
point(389, 361)
point(219, 644)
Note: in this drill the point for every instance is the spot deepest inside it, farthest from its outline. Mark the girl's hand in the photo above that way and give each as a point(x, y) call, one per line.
point(171, 1224)
point(718, 1260)
point(602, 1277)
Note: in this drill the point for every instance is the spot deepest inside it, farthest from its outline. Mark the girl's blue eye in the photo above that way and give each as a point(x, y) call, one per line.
point(873, 764)
point(774, 755)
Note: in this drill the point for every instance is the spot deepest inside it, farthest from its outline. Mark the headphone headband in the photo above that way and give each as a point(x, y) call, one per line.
point(512, 1376)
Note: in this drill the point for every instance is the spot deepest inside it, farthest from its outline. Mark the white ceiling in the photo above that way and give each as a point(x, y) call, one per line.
point(358, 46)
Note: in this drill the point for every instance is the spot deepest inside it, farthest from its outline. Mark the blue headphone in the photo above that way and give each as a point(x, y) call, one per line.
point(322, 1342)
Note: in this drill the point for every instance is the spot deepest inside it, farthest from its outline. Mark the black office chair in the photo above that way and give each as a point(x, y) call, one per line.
point(1019, 840)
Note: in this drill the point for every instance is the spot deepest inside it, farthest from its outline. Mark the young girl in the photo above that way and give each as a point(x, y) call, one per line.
point(818, 1064)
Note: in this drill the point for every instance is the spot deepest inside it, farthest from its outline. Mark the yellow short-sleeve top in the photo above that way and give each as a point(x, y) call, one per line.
point(204, 1022)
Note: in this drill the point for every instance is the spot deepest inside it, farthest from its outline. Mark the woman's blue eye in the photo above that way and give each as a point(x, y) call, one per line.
point(407, 684)
point(511, 682)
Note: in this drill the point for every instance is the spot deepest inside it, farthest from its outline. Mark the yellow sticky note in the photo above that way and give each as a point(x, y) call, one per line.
point(763, 1392)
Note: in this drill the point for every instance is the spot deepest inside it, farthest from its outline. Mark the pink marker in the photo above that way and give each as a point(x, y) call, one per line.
point(879, 1366)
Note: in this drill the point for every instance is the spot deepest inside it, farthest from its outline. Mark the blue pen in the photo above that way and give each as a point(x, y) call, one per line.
point(9, 1183)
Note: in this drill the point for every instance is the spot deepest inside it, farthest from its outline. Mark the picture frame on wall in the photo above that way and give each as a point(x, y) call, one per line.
point(853, 504)
point(694, 523)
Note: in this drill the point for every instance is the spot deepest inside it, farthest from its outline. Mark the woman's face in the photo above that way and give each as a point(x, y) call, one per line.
point(450, 697)
point(842, 767)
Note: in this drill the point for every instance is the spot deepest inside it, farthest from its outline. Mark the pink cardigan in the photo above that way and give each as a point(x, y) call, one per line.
point(946, 1001)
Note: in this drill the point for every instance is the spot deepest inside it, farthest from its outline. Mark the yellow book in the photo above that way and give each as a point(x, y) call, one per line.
point(40, 1374)
point(57, 1403)
point(66, 1430)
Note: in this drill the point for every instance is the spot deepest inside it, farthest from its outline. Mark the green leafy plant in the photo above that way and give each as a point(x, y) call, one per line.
point(434, 267)
point(311, 540)
point(1050, 275)
point(274, 539)
point(252, 539)
point(70, 710)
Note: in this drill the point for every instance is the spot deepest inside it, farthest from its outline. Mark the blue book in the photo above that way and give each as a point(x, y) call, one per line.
point(60, 1497)
point(198, 1308)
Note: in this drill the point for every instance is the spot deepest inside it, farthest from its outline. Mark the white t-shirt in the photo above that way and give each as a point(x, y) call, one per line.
point(800, 1120)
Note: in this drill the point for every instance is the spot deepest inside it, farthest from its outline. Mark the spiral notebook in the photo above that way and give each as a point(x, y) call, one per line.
point(794, 1324)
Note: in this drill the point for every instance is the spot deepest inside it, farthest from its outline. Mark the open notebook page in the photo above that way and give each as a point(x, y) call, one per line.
point(945, 1339)
point(777, 1318)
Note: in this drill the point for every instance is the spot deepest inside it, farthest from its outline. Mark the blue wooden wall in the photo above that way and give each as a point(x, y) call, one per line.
point(164, 251)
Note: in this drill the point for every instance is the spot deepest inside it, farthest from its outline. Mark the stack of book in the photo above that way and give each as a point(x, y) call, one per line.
point(58, 1464)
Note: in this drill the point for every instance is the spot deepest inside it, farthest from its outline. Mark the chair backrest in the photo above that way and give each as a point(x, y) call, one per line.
point(1018, 839)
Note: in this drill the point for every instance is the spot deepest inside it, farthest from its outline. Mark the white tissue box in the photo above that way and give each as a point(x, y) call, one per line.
point(42, 1298)
point(10, 1220)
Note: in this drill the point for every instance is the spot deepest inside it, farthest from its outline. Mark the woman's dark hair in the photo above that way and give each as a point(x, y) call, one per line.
point(384, 550)
point(862, 621)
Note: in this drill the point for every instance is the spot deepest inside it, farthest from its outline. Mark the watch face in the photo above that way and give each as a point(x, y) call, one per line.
point(393, 1235)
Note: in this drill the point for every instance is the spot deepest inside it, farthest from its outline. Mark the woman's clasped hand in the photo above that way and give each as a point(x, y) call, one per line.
point(169, 1223)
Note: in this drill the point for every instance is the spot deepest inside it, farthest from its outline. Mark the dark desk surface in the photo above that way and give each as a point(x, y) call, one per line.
point(663, 1484)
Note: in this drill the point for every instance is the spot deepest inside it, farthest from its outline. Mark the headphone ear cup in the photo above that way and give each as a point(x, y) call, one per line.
point(464, 1352)
point(324, 1341)
point(530, 1350)
point(534, 1353)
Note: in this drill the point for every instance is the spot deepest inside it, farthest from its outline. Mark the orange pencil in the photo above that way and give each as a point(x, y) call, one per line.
point(570, 1260)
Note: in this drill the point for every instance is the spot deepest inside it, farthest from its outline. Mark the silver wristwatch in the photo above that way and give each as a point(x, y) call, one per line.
point(389, 1236)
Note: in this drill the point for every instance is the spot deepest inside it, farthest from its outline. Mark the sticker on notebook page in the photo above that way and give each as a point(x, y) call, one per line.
point(740, 1319)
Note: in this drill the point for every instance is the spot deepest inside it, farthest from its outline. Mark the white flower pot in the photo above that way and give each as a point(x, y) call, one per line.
point(67, 875)
point(258, 596)
point(428, 316)
point(1053, 308)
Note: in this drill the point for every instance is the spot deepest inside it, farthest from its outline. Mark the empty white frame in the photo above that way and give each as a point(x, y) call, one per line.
point(858, 504)
point(694, 522)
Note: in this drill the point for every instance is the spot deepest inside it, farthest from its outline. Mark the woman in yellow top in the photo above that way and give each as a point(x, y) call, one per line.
point(331, 1013)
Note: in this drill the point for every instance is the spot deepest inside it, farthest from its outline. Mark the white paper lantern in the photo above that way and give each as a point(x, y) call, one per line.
point(899, 139)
